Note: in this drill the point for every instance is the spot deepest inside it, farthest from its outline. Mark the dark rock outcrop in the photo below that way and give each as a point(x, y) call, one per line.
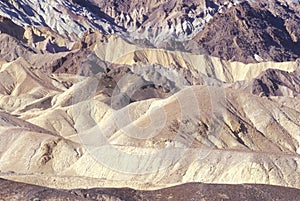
point(251, 32)
point(191, 191)
point(272, 83)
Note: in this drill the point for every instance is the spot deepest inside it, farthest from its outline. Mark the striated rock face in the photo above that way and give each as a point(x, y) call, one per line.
point(253, 32)
point(64, 17)
point(159, 21)
point(155, 21)
point(277, 83)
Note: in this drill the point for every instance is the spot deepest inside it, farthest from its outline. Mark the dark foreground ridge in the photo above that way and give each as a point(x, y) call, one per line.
point(10, 190)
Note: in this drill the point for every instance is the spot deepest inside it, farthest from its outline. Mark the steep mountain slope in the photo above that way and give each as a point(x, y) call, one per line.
point(64, 17)
point(251, 31)
point(159, 21)
point(277, 83)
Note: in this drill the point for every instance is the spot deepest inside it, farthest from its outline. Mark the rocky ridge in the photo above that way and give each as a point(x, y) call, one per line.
point(166, 25)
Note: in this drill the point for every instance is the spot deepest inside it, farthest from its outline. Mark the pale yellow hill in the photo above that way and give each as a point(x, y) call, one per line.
point(63, 131)
point(252, 145)
point(211, 66)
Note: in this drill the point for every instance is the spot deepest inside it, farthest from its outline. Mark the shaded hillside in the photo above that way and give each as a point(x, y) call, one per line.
point(186, 192)
point(251, 33)
point(277, 83)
